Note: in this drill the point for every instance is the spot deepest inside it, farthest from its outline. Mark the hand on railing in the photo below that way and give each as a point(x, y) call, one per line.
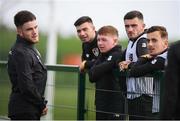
point(44, 112)
point(123, 65)
point(82, 66)
point(148, 56)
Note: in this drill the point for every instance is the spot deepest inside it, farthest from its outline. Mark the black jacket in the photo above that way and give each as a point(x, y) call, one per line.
point(28, 78)
point(170, 103)
point(108, 96)
point(90, 52)
point(146, 66)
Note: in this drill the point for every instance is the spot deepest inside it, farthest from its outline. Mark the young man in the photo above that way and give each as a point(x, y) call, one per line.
point(108, 99)
point(87, 34)
point(27, 73)
point(157, 43)
point(137, 46)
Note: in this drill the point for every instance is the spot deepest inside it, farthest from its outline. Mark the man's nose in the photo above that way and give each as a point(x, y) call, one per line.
point(130, 28)
point(150, 43)
point(81, 33)
point(35, 31)
point(99, 42)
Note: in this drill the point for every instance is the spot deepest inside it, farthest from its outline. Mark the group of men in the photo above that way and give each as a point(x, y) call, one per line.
point(101, 55)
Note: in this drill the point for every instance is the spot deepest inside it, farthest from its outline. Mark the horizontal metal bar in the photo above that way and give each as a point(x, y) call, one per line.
point(62, 67)
point(55, 67)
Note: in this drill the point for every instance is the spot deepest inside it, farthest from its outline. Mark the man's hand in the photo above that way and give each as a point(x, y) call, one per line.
point(148, 56)
point(44, 112)
point(82, 66)
point(124, 65)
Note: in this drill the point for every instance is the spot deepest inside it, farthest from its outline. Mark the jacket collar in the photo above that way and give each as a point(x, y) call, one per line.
point(24, 41)
point(134, 39)
point(115, 48)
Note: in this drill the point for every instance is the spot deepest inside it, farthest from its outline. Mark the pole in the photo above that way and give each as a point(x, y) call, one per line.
point(51, 59)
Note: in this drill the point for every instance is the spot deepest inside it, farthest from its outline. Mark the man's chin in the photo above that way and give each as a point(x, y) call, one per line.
point(131, 38)
point(35, 41)
point(153, 54)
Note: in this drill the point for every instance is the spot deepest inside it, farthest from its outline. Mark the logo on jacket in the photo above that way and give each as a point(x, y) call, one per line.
point(95, 51)
point(109, 58)
point(154, 61)
point(10, 52)
point(131, 57)
point(87, 55)
point(144, 45)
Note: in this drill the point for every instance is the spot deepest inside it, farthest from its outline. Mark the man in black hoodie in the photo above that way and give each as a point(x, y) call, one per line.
point(108, 99)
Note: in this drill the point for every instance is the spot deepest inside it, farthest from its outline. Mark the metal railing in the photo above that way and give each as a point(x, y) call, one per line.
point(81, 84)
point(81, 110)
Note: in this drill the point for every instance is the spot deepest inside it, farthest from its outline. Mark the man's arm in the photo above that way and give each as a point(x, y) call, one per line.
point(97, 71)
point(141, 48)
point(141, 68)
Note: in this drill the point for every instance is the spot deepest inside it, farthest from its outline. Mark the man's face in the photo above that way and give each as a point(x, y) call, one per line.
point(134, 27)
point(86, 32)
point(106, 42)
point(156, 44)
point(29, 31)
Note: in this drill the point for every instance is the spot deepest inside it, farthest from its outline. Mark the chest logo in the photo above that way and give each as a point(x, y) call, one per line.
point(95, 51)
point(144, 45)
point(154, 61)
point(10, 52)
point(109, 58)
point(87, 55)
point(131, 57)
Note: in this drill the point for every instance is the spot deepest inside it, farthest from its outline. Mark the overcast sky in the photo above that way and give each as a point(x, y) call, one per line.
point(103, 12)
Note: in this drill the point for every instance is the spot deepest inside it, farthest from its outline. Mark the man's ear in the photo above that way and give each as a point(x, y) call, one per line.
point(166, 43)
point(19, 31)
point(144, 25)
point(115, 40)
point(93, 27)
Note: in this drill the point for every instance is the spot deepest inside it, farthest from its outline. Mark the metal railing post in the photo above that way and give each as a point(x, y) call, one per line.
point(81, 96)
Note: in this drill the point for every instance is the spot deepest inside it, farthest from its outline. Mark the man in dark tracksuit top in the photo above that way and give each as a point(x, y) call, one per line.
point(27, 73)
point(90, 52)
point(86, 32)
point(157, 43)
point(170, 103)
point(108, 99)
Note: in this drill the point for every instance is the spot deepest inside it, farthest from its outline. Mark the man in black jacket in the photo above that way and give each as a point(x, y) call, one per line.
point(108, 99)
point(157, 43)
point(87, 33)
point(27, 73)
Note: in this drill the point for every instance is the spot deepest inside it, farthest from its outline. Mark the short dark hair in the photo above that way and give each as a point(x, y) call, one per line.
point(82, 20)
point(108, 30)
point(161, 29)
point(134, 14)
point(22, 17)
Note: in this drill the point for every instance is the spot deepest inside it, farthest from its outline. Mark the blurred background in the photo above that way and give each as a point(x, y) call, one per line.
point(59, 16)
point(58, 35)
